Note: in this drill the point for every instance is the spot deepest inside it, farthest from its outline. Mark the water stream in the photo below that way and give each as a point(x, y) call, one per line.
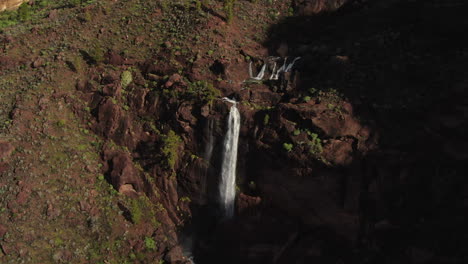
point(227, 187)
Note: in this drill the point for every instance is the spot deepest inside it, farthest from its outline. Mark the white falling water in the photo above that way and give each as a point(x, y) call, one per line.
point(227, 187)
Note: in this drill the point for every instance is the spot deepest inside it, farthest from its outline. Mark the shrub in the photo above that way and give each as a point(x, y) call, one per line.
point(296, 132)
point(125, 79)
point(288, 147)
point(203, 91)
point(228, 8)
point(150, 244)
point(185, 199)
point(24, 12)
point(169, 148)
point(315, 144)
point(266, 119)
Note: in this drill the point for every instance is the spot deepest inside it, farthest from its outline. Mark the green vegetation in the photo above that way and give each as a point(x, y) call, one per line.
point(266, 119)
point(288, 147)
point(150, 244)
point(315, 144)
point(296, 132)
point(95, 55)
point(24, 12)
point(35, 10)
point(202, 91)
point(125, 79)
point(141, 209)
point(229, 9)
point(169, 149)
point(185, 199)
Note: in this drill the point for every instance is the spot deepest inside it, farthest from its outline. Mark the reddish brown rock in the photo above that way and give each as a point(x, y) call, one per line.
point(53, 14)
point(127, 189)
point(246, 202)
point(175, 78)
point(23, 196)
point(5, 149)
point(37, 63)
point(175, 255)
point(339, 152)
point(3, 230)
point(3, 167)
point(115, 59)
point(122, 171)
point(108, 116)
point(184, 113)
point(112, 90)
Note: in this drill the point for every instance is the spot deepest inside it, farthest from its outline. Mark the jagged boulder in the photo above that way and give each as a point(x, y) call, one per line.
point(122, 172)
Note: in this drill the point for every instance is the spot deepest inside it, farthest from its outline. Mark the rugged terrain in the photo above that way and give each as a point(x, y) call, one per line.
point(108, 109)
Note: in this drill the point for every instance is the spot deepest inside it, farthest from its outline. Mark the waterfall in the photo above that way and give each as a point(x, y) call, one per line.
point(227, 187)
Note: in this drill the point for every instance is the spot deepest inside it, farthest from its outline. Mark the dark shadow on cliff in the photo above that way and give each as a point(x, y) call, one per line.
point(401, 65)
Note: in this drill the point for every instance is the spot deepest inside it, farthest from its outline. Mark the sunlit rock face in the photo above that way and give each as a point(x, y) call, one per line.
point(10, 4)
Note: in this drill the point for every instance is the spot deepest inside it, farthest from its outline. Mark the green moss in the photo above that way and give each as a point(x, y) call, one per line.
point(229, 9)
point(202, 91)
point(185, 199)
point(61, 123)
point(266, 119)
point(169, 150)
point(288, 147)
point(137, 207)
point(150, 244)
point(24, 12)
point(126, 78)
point(315, 144)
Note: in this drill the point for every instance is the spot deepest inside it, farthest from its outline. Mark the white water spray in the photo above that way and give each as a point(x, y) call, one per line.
point(227, 187)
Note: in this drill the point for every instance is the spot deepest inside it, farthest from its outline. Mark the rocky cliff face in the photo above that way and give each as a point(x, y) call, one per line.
point(320, 176)
point(355, 156)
